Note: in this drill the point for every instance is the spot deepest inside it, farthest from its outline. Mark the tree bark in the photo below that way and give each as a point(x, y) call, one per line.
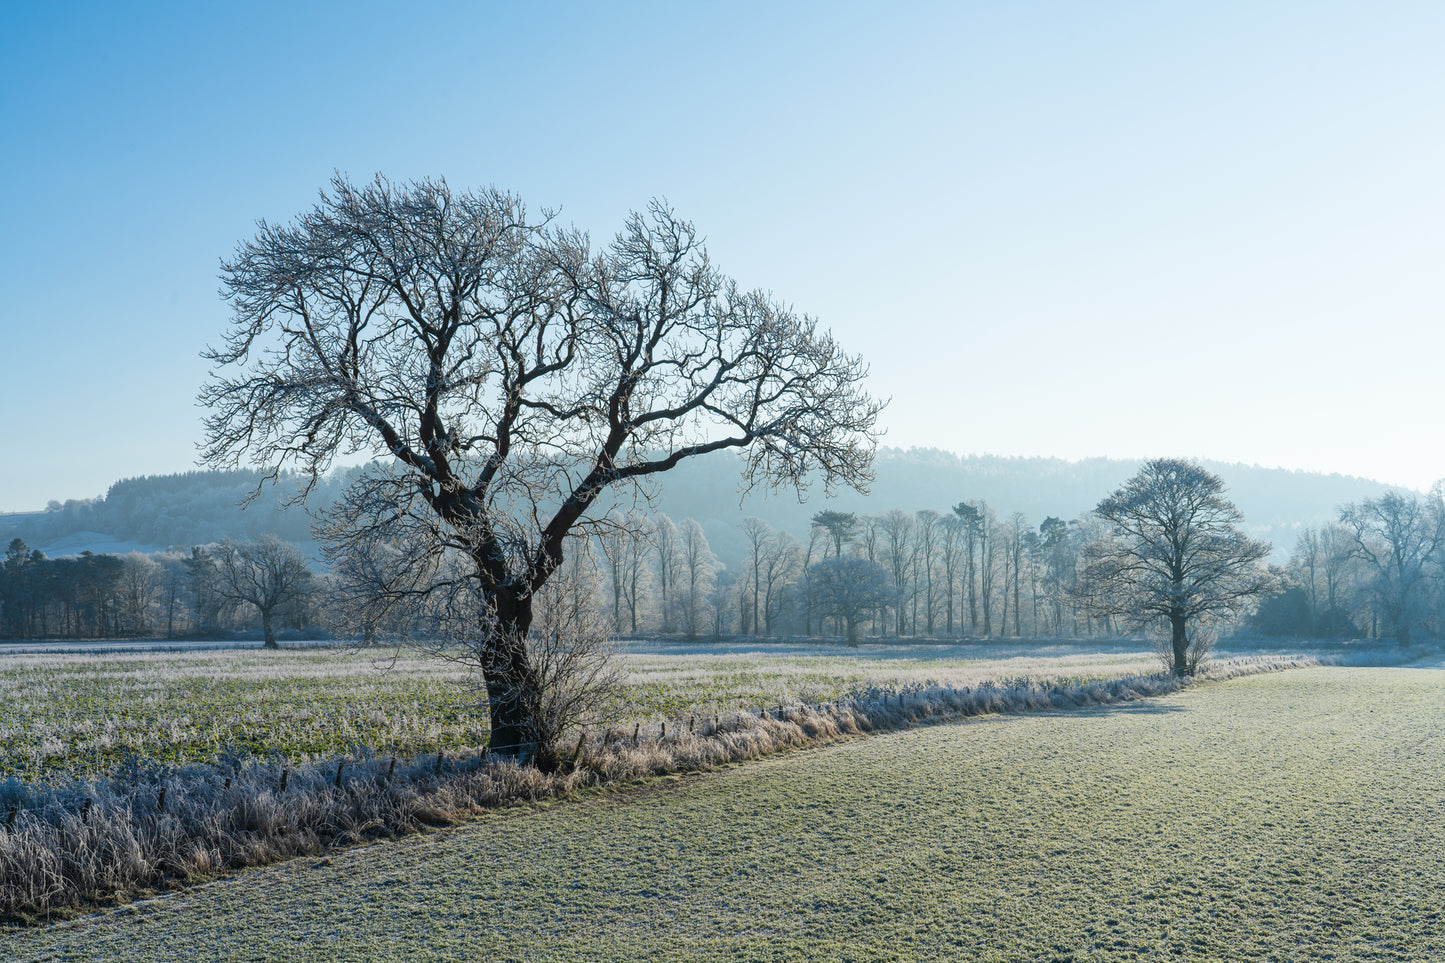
point(1180, 642)
point(513, 689)
point(268, 630)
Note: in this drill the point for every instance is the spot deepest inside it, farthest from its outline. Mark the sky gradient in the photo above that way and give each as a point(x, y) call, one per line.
point(1124, 229)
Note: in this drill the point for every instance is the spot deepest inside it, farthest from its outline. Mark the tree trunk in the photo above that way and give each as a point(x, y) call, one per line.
point(514, 696)
point(268, 630)
point(1180, 643)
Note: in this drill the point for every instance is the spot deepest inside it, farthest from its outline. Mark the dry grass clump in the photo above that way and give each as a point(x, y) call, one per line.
point(105, 839)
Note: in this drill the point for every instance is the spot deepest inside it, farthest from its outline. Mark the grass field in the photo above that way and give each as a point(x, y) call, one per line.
point(1292, 816)
point(79, 714)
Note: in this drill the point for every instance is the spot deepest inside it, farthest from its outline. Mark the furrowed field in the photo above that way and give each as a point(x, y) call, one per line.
point(1291, 816)
point(84, 713)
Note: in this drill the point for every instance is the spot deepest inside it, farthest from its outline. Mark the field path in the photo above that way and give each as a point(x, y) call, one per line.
point(1292, 816)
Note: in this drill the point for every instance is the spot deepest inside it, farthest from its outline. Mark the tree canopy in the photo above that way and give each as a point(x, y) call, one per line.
point(1172, 556)
point(508, 373)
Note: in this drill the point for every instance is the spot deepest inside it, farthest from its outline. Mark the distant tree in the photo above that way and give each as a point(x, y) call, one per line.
point(952, 553)
point(1285, 614)
point(140, 589)
point(1398, 536)
point(720, 599)
point(897, 530)
point(1173, 557)
point(1015, 536)
point(848, 589)
point(509, 374)
point(267, 573)
point(840, 526)
point(201, 579)
point(1060, 562)
point(929, 534)
point(666, 543)
point(17, 591)
point(986, 531)
point(968, 516)
point(699, 567)
point(759, 535)
point(782, 564)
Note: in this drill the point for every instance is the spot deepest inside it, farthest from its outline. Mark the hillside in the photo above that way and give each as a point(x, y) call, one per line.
point(167, 511)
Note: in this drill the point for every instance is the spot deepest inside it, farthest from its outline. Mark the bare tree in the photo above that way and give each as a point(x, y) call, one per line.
point(758, 533)
point(699, 566)
point(848, 589)
point(1397, 537)
point(897, 529)
point(509, 375)
point(952, 547)
point(928, 537)
point(667, 543)
point(1173, 557)
point(782, 565)
point(268, 574)
point(986, 529)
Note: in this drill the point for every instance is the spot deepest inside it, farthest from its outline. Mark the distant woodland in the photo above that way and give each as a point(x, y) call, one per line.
point(975, 546)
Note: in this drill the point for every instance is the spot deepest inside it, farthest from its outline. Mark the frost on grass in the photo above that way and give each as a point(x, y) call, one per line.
point(148, 825)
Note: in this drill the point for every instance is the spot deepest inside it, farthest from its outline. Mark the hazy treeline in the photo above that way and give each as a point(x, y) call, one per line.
point(943, 574)
point(1378, 570)
point(161, 595)
point(197, 508)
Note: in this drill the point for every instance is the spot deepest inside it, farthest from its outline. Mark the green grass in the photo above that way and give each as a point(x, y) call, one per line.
point(1291, 816)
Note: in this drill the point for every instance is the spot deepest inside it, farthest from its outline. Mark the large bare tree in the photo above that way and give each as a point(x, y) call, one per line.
point(1173, 556)
point(507, 374)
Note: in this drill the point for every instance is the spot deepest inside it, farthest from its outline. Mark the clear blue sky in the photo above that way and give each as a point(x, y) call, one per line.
point(1133, 229)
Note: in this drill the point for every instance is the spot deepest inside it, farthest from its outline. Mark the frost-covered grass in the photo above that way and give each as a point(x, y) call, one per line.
point(80, 714)
point(1287, 816)
point(668, 679)
point(68, 842)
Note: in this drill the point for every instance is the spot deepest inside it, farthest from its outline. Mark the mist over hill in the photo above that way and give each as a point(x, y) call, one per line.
point(177, 511)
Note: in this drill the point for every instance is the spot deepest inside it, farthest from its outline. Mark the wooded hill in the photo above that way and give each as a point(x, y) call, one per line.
point(195, 508)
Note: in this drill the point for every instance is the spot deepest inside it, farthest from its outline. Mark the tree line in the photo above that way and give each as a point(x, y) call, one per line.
point(930, 573)
point(208, 591)
point(1377, 570)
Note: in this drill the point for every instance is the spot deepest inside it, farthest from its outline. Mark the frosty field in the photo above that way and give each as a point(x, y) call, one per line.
point(1290, 816)
point(81, 713)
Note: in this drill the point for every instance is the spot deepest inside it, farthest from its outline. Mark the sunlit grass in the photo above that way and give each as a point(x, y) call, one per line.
point(1290, 816)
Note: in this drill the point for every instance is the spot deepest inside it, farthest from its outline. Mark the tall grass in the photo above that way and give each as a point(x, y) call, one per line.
point(108, 838)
